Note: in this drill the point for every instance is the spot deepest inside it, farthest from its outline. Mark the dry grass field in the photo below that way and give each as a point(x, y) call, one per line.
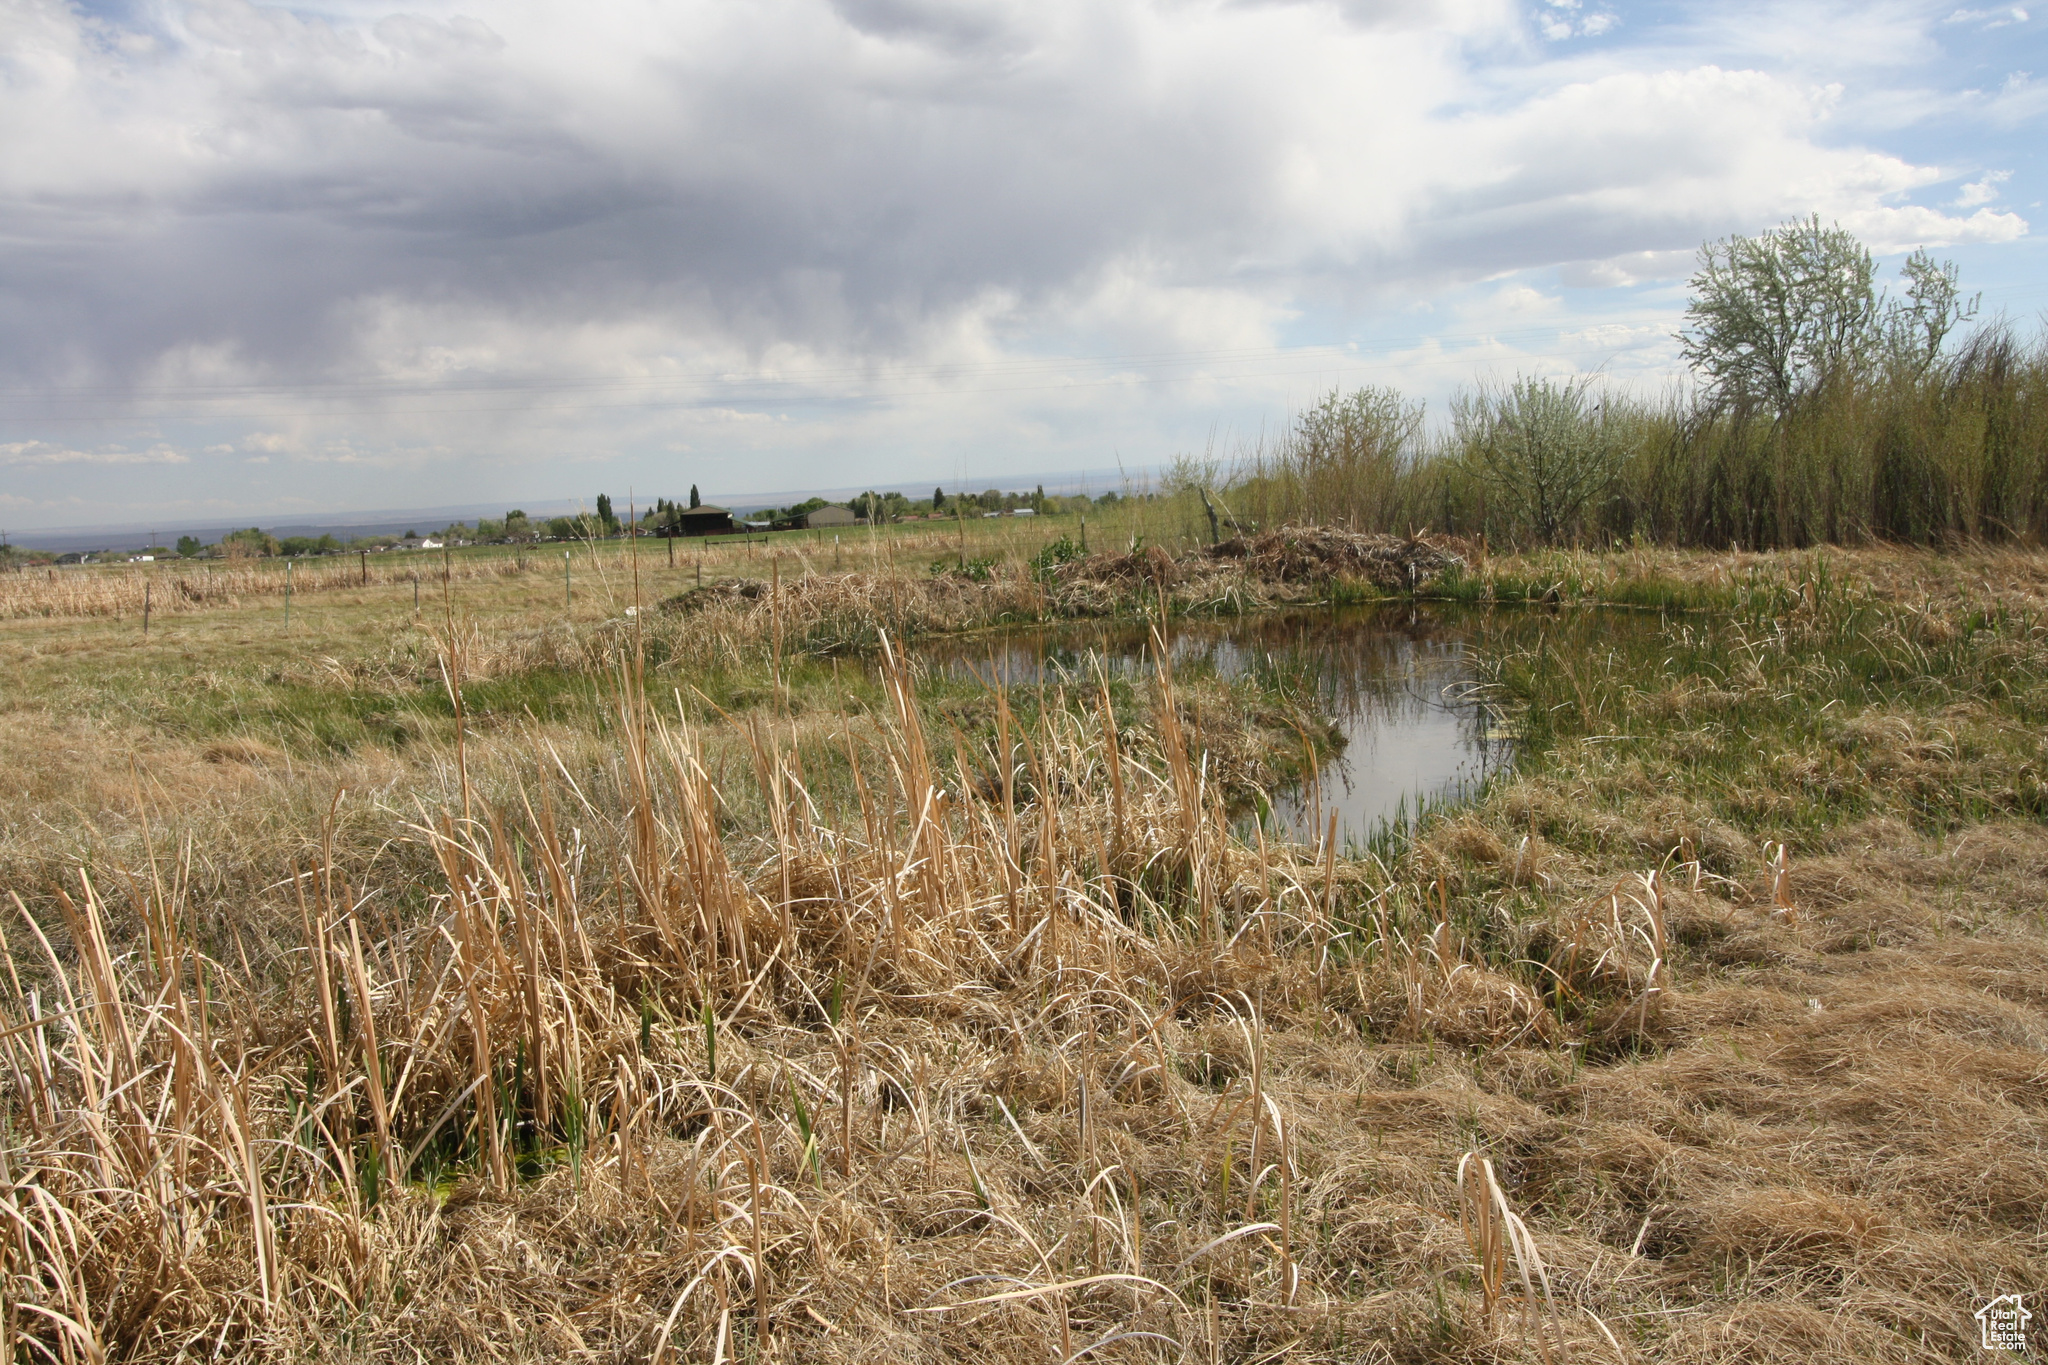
point(511, 981)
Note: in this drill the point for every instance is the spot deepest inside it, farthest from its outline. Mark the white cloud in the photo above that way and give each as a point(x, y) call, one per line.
point(2003, 17)
point(1891, 229)
point(1982, 190)
point(2020, 99)
point(1519, 300)
point(1619, 336)
point(25, 454)
point(1565, 21)
point(1630, 268)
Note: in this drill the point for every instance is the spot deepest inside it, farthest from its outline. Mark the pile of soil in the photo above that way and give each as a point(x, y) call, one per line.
point(1304, 554)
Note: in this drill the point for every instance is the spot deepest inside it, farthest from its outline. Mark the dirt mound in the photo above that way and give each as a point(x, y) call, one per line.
point(1298, 554)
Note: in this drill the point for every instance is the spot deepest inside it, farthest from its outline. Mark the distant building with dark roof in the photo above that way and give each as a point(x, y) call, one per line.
point(705, 520)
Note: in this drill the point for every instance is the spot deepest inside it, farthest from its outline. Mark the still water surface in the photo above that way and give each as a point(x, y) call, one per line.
point(1401, 685)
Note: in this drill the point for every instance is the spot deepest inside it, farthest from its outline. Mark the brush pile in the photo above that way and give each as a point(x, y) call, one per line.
point(838, 613)
point(1316, 554)
point(844, 612)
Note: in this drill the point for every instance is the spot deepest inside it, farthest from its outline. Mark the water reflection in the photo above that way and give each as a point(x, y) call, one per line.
point(1399, 683)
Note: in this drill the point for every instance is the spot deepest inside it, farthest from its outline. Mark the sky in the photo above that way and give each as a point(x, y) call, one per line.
point(261, 261)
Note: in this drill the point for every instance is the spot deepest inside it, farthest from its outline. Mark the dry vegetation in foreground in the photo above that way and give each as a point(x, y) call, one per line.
point(1715, 1034)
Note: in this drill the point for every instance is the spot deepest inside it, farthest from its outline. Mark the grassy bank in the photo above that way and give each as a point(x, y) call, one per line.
point(704, 993)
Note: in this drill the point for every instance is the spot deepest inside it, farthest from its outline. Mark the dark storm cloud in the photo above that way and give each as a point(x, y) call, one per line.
point(225, 190)
point(300, 166)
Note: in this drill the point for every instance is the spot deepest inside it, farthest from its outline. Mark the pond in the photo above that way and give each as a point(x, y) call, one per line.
point(1401, 684)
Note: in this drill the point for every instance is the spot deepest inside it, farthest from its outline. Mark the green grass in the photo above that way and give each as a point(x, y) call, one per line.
point(1787, 725)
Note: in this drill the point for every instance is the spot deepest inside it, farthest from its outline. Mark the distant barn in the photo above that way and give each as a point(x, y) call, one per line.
point(821, 518)
point(706, 520)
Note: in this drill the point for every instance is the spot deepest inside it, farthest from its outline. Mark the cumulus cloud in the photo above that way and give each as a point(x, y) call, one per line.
point(1889, 229)
point(1982, 190)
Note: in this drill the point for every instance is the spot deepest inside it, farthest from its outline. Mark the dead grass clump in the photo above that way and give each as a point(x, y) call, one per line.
point(242, 749)
point(1746, 1156)
point(1885, 741)
point(1466, 838)
point(744, 1032)
point(1779, 1227)
point(1690, 701)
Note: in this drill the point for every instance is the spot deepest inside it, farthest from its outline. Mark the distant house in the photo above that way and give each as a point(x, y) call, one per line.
point(818, 518)
point(706, 520)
